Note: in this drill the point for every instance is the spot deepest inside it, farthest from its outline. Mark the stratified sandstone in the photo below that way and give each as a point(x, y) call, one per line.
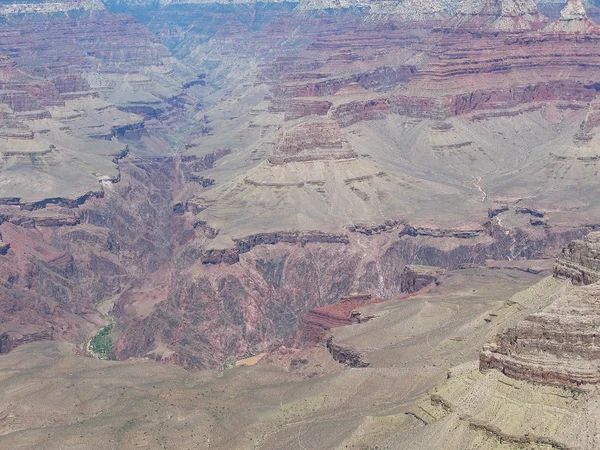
point(555, 346)
point(580, 260)
point(311, 141)
point(558, 345)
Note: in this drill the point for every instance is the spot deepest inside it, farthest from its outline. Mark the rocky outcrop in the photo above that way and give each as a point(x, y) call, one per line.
point(300, 107)
point(10, 341)
point(587, 129)
point(573, 19)
point(291, 237)
point(573, 10)
point(311, 141)
point(532, 212)
point(580, 260)
point(381, 78)
point(440, 108)
point(414, 277)
point(369, 230)
point(499, 15)
point(64, 202)
point(192, 165)
point(556, 346)
point(220, 256)
point(313, 326)
point(410, 230)
point(345, 355)
point(244, 245)
point(493, 212)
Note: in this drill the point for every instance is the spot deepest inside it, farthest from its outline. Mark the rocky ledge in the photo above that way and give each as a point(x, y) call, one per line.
point(316, 322)
point(414, 278)
point(10, 341)
point(580, 260)
point(412, 231)
point(559, 344)
point(344, 355)
point(312, 141)
point(244, 245)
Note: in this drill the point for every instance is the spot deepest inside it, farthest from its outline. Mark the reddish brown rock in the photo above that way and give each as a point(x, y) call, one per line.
point(298, 107)
point(313, 325)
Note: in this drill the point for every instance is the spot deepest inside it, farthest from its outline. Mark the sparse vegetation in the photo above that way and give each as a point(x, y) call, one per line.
point(102, 344)
point(228, 364)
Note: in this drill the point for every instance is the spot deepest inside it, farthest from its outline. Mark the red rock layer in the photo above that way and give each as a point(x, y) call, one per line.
point(316, 322)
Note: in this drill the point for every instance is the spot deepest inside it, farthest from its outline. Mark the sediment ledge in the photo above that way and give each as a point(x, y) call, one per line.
point(244, 245)
point(409, 230)
point(60, 201)
point(580, 260)
point(559, 344)
point(9, 342)
point(346, 355)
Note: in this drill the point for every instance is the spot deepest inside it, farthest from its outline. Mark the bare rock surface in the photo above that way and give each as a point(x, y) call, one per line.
point(580, 260)
point(557, 345)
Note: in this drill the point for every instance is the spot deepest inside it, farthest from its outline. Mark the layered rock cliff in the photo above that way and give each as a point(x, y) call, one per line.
point(580, 260)
point(557, 346)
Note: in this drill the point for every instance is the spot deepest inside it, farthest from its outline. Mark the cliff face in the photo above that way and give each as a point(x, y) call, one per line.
point(557, 346)
point(312, 141)
point(580, 260)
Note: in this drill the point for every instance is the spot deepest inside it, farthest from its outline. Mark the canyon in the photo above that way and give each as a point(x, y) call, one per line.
point(397, 203)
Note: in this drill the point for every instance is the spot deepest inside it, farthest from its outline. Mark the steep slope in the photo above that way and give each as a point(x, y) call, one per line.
point(537, 382)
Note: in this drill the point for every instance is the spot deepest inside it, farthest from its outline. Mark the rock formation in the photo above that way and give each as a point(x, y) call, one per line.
point(312, 141)
point(558, 345)
point(574, 10)
point(580, 260)
point(313, 325)
point(251, 159)
point(555, 346)
point(499, 15)
point(415, 278)
point(573, 19)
